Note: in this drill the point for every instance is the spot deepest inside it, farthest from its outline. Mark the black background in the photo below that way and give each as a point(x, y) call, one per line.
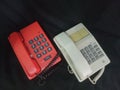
point(101, 17)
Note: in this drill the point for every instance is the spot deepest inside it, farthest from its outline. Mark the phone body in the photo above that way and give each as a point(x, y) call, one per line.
point(33, 49)
point(81, 51)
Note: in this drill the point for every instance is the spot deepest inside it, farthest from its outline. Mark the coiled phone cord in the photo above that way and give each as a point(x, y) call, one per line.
point(95, 79)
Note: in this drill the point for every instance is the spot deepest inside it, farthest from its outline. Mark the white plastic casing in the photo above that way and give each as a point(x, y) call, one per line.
point(73, 43)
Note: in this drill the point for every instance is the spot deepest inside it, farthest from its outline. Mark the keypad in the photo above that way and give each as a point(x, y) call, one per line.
point(40, 46)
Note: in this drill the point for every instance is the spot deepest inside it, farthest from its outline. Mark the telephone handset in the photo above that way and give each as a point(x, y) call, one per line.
point(82, 52)
point(33, 49)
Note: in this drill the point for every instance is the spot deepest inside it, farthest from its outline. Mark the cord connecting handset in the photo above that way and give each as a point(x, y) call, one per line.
point(33, 49)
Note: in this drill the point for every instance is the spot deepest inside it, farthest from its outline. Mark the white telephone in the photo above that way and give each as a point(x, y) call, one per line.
point(82, 52)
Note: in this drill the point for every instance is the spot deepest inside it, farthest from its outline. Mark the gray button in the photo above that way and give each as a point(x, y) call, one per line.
point(36, 38)
point(31, 42)
point(36, 50)
point(39, 55)
point(47, 57)
point(38, 43)
point(41, 35)
point(33, 46)
point(95, 46)
point(101, 55)
point(97, 49)
point(41, 47)
point(43, 40)
point(44, 52)
point(100, 52)
point(46, 44)
point(49, 49)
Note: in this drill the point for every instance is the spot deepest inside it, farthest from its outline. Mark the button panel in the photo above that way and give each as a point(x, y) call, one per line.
point(40, 47)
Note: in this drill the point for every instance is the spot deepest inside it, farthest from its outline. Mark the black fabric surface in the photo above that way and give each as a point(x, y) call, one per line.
point(101, 17)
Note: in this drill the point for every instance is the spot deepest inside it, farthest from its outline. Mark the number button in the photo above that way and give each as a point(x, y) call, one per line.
point(31, 42)
point(49, 49)
point(46, 44)
point(41, 47)
point(39, 55)
point(44, 52)
point(36, 38)
point(43, 40)
point(41, 35)
point(36, 50)
point(38, 43)
point(33, 46)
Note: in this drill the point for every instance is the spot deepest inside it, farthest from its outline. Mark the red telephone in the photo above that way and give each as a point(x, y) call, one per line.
point(33, 49)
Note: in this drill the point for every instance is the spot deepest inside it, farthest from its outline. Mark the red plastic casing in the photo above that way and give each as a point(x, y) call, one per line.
point(19, 41)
